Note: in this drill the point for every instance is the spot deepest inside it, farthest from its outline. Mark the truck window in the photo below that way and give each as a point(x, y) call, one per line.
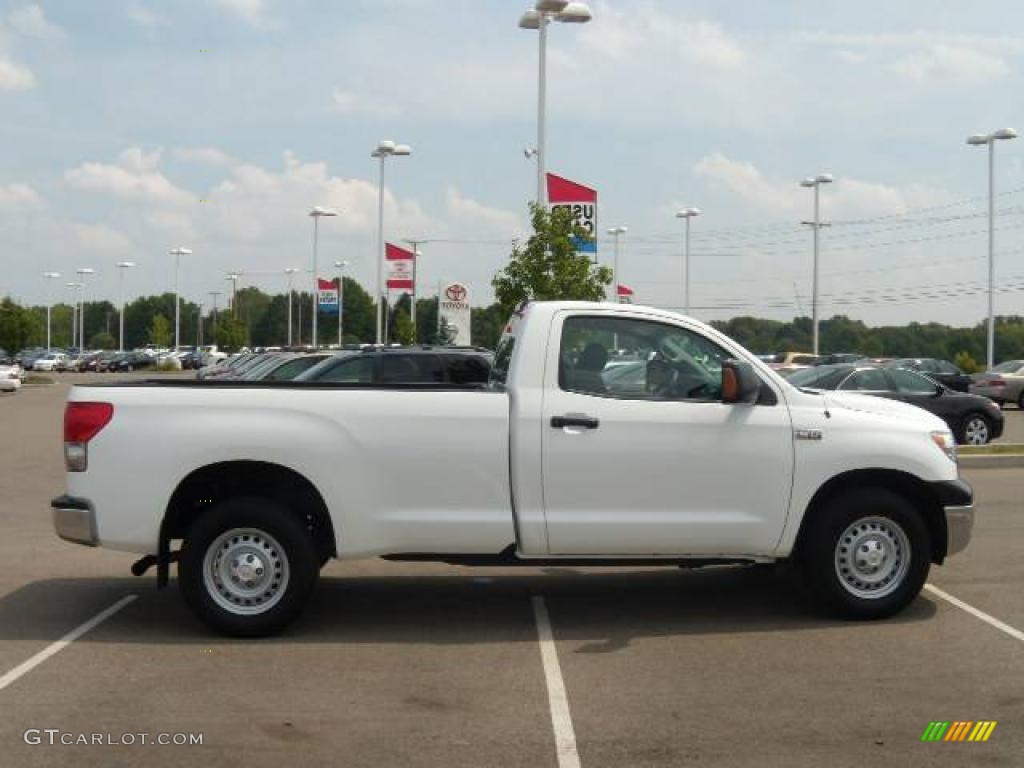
point(467, 369)
point(410, 369)
point(351, 370)
point(665, 362)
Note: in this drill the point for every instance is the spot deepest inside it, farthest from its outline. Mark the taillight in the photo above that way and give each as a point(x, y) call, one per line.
point(82, 422)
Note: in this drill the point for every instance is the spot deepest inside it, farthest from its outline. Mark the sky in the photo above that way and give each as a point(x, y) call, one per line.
point(130, 127)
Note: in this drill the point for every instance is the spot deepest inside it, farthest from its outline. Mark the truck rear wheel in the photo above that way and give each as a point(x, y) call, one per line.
point(247, 567)
point(866, 554)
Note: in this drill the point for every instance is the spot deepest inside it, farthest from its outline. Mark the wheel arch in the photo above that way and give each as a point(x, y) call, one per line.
point(208, 485)
point(912, 488)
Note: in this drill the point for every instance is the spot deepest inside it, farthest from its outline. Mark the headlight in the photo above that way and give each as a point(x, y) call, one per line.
point(944, 440)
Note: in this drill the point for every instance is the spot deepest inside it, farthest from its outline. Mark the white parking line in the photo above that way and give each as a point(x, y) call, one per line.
point(58, 646)
point(1001, 626)
point(561, 720)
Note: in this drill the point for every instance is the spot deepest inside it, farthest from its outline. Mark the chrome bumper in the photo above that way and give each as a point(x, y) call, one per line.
point(75, 520)
point(959, 524)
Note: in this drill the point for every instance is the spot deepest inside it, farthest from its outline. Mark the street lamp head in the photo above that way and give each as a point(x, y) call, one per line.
point(823, 178)
point(51, 274)
point(74, 285)
point(687, 213)
point(529, 20)
point(551, 6)
point(402, 150)
point(86, 271)
point(808, 182)
point(181, 251)
point(291, 271)
point(977, 139)
point(321, 211)
point(1005, 133)
point(617, 231)
point(341, 264)
point(575, 13)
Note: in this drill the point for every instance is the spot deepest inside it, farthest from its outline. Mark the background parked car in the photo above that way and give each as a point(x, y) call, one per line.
point(942, 371)
point(974, 420)
point(404, 365)
point(50, 361)
point(131, 361)
point(287, 367)
point(10, 377)
point(789, 362)
point(1003, 384)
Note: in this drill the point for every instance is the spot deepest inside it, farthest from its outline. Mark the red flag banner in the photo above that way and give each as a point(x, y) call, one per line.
point(401, 268)
point(327, 295)
point(625, 294)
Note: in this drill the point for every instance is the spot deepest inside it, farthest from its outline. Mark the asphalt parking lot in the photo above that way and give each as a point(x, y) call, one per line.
point(430, 665)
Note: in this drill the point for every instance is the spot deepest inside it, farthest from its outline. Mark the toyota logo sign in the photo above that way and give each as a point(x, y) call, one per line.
point(456, 292)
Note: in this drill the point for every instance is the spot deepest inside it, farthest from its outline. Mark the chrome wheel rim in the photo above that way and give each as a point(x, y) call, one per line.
point(872, 557)
point(976, 431)
point(245, 571)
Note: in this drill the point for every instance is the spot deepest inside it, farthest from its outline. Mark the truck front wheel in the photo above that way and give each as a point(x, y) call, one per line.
point(247, 567)
point(866, 553)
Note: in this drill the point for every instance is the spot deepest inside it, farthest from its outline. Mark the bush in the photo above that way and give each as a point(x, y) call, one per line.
point(966, 363)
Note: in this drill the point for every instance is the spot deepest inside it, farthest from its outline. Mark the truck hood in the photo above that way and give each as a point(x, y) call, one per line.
point(882, 406)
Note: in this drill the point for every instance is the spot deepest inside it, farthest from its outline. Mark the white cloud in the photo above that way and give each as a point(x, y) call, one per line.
point(645, 31)
point(18, 197)
point(252, 12)
point(350, 103)
point(469, 215)
point(944, 63)
point(848, 197)
point(99, 239)
point(143, 16)
point(14, 77)
point(134, 177)
point(30, 21)
point(203, 156)
point(918, 39)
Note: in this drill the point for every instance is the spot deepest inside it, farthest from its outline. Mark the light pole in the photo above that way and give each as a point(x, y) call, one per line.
point(538, 18)
point(233, 277)
point(83, 273)
point(615, 232)
point(49, 303)
point(385, 149)
point(686, 214)
point(177, 253)
point(290, 272)
point(316, 213)
point(122, 266)
point(213, 297)
point(415, 268)
point(815, 183)
point(75, 288)
point(990, 139)
point(340, 266)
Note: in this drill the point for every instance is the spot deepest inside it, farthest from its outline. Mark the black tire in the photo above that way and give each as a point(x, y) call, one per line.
point(980, 422)
point(267, 534)
point(821, 559)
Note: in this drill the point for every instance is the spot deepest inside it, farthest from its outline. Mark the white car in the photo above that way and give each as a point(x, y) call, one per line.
point(711, 459)
point(50, 361)
point(10, 378)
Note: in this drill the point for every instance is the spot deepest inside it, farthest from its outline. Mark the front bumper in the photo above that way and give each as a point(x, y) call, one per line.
point(75, 520)
point(957, 500)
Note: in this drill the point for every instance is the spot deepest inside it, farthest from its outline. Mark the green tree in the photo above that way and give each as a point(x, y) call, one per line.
point(160, 331)
point(16, 326)
point(102, 340)
point(548, 267)
point(402, 330)
point(231, 333)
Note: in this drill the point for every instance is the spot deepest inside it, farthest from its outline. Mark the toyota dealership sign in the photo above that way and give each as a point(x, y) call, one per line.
point(455, 312)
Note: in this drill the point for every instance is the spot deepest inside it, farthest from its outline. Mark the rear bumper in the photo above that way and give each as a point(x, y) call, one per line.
point(957, 500)
point(74, 520)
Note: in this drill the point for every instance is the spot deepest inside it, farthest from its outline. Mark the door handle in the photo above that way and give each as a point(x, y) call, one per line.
point(586, 422)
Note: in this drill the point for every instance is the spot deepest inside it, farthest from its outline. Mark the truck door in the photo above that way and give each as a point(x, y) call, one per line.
point(639, 453)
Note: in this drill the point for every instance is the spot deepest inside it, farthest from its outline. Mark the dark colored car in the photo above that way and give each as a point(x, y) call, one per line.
point(943, 371)
point(838, 357)
point(973, 419)
point(130, 361)
point(287, 367)
point(405, 365)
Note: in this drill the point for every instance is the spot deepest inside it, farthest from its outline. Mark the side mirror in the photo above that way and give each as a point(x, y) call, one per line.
point(739, 383)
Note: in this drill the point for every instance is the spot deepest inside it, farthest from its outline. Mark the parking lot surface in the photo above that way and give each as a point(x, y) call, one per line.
point(431, 665)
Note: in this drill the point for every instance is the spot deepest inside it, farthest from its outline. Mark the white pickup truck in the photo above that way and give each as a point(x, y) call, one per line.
point(608, 434)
